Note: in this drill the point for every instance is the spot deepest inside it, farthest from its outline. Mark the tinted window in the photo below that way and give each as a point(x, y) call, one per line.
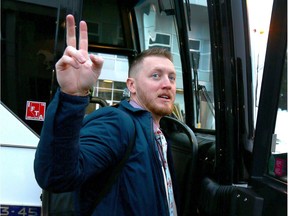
point(27, 56)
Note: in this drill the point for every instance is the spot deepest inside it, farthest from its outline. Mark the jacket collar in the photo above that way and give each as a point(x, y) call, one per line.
point(124, 104)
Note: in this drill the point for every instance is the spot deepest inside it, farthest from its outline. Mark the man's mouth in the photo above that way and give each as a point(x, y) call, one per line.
point(167, 97)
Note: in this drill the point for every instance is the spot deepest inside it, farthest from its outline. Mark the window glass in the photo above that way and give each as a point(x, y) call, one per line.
point(27, 56)
point(111, 91)
point(201, 64)
point(259, 28)
point(157, 28)
point(119, 85)
point(102, 18)
point(259, 23)
point(105, 84)
point(279, 147)
point(117, 95)
point(282, 116)
point(112, 80)
point(104, 89)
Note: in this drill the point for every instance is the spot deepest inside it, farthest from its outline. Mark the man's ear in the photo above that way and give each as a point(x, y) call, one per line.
point(130, 82)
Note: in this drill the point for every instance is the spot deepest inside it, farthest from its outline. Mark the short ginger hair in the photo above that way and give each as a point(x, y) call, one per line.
point(155, 51)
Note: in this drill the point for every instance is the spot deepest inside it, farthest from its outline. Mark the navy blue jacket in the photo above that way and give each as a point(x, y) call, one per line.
point(76, 154)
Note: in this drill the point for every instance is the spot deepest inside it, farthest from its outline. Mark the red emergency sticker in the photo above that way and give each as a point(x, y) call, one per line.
point(35, 110)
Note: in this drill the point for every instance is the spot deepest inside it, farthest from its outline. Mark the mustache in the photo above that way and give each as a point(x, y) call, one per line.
point(166, 94)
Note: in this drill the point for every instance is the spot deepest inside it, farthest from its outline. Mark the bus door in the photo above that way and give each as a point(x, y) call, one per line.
point(269, 161)
point(216, 89)
point(211, 70)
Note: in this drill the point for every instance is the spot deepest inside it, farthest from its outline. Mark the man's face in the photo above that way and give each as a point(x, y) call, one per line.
point(154, 85)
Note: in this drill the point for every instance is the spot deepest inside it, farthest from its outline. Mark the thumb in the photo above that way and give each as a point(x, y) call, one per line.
point(97, 63)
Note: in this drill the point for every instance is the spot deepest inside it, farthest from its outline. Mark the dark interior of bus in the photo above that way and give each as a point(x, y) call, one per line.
point(223, 167)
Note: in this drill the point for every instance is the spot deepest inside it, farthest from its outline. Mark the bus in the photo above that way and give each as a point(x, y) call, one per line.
point(230, 58)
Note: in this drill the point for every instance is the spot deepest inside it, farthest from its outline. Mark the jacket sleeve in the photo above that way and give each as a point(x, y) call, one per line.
point(71, 150)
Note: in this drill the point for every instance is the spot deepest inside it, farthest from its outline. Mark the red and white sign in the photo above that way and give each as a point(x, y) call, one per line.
point(35, 110)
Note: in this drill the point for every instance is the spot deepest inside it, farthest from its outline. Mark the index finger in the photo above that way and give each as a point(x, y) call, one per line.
point(70, 31)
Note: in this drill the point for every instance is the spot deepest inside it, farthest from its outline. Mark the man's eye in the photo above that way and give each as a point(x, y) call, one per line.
point(155, 75)
point(172, 78)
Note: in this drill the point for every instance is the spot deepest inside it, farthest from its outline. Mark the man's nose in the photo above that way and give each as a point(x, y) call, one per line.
point(166, 82)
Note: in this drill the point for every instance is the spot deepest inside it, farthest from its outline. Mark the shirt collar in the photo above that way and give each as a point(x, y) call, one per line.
point(136, 105)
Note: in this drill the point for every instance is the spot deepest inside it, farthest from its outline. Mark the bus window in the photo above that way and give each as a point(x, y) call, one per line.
point(27, 56)
point(201, 63)
point(156, 26)
point(281, 144)
point(104, 22)
point(112, 80)
point(259, 24)
point(279, 147)
point(271, 140)
point(259, 28)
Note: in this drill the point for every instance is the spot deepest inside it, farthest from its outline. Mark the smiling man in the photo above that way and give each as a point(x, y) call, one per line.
point(76, 153)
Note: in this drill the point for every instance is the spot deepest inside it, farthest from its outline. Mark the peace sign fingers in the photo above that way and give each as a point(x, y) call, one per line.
point(83, 36)
point(70, 31)
point(76, 70)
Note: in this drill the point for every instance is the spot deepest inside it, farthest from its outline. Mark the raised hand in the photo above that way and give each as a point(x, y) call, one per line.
point(76, 70)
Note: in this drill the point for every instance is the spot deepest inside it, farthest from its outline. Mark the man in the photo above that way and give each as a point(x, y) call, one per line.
point(74, 155)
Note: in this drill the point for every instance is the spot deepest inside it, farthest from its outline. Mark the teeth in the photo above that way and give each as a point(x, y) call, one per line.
point(166, 97)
